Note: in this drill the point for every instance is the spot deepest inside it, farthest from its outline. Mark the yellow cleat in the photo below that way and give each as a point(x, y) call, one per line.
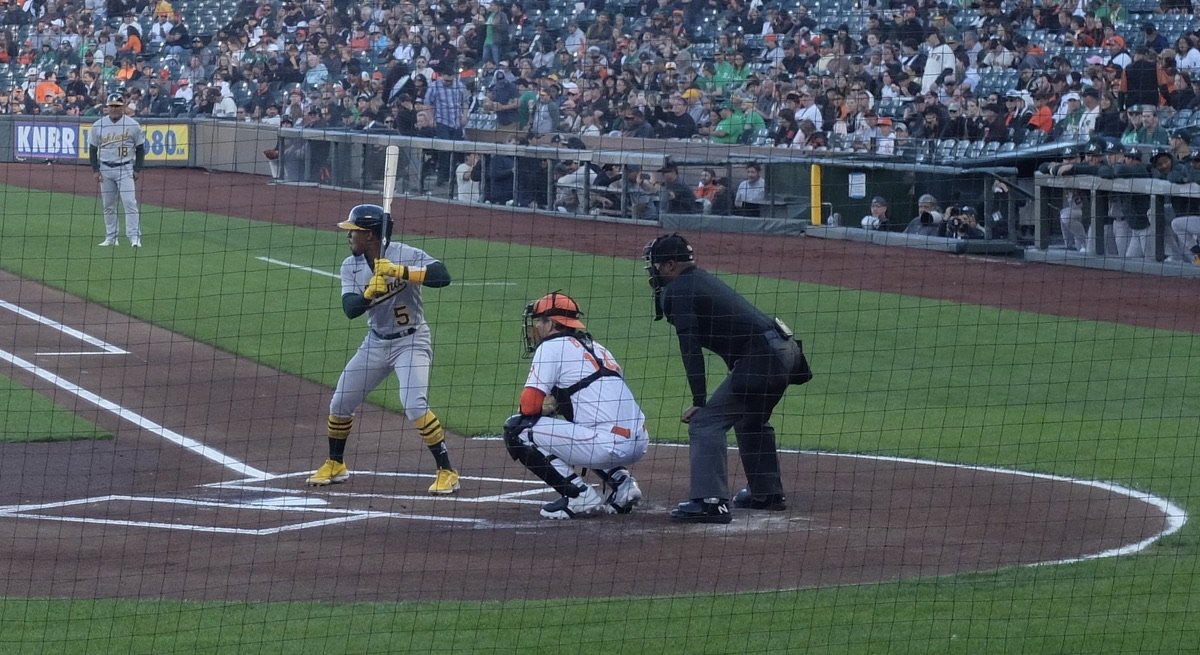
point(445, 484)
point(332, 472)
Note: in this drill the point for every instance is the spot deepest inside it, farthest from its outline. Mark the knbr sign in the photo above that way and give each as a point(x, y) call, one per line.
point(46, 140)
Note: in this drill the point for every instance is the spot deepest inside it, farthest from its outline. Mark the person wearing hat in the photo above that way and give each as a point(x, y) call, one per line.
point(878, 218)
point(116, 151)
point(962, 223)
point(764, 359)
point(939, 58)
point(503, 98)
point(928, 221)
point(1115, 52)
point(679, 197)
point(1070, 216)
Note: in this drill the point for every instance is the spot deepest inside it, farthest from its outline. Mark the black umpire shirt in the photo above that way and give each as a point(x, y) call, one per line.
point(707, 313)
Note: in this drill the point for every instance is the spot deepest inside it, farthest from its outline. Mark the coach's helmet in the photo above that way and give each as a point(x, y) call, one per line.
point(370, 218)
point(666, 248)
point(555, 306)
point(115, 100)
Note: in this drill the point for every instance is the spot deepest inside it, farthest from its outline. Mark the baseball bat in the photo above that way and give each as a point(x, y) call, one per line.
point(391, 164)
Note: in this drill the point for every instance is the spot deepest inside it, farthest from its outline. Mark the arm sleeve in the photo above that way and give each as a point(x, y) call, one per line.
point(94, 158)
point(139, 157)
point(354, 305)
point(531, 401)
point(436, 276)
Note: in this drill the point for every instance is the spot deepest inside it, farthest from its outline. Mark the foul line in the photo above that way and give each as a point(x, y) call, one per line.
point(108, 348)
point(143, 422)
point(335, 276)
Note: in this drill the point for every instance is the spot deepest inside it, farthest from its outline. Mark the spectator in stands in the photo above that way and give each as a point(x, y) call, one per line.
point(751, 192)
point(448, 98)
point(675, 123)
point(1115, 52)
point(1108, 121)
point(1150, 132)
point(878, 218)
point(678, 196)
point(1141, 81)
point(743, 120)
point(1155, 41)
point(503, 98)
point(808, 109)
point(156, 103)
point(930, 126)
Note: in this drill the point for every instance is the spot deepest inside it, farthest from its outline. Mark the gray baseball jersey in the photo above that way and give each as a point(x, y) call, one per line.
point(401, 308)
point(116, 141)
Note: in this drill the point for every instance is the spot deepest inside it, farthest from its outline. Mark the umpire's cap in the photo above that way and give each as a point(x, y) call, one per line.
point(558, 307)
point(669, 248)
point(365, 217)
point(116, 100)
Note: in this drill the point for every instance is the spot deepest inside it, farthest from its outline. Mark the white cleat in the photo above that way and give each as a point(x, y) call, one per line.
point(136, 242)
point(110, 242)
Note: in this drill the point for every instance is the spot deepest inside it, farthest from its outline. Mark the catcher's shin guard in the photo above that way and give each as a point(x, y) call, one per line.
point(538, 462)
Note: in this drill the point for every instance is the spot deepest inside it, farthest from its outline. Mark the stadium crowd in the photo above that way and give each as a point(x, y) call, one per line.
point(722, 70)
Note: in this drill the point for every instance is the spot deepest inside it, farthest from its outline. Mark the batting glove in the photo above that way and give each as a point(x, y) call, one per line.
point(377, 287)
point(387, 268)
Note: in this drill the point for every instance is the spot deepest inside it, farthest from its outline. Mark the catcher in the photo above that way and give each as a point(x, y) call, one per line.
point(576, 410)
point(388, 291)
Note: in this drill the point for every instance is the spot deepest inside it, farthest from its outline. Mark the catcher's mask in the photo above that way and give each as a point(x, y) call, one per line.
point(555, 306)
point(666, 248)
point(370, 218)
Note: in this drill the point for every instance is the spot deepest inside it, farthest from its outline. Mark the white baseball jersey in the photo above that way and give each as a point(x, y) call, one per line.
point(401, 308)
point(116, 141)
point(561, 362)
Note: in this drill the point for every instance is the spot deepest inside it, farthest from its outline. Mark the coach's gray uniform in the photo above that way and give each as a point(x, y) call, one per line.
point(117, 145)
point(398, 339)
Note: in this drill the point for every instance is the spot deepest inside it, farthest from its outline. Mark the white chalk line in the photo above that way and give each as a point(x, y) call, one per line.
point(104, 346)
point(317, 271)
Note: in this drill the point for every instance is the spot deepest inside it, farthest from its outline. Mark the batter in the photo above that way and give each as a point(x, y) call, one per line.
point(388, 291)
point(117, 151)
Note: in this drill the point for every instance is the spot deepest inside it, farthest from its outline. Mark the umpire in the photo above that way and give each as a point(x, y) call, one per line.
point(763, 359)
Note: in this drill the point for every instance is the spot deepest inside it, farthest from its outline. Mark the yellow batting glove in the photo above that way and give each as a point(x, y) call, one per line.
point(377, 287)
point(388, 269)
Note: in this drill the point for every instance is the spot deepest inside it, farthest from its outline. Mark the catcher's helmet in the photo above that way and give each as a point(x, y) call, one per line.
point(116, 100)
point(558, 307)
point(365, 217)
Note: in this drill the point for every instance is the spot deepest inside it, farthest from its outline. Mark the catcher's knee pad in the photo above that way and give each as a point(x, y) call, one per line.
point(430, 429)
point(513, 427)
point(339, 426)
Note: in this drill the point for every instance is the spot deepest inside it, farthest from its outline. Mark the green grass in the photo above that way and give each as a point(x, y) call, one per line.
point(895, 375)
point(27, 416)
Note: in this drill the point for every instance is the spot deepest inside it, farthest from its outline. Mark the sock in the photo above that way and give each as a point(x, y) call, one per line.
point(441, 455)
point(337, 449)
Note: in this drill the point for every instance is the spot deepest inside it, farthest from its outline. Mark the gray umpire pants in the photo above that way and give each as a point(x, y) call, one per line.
point(117, 182)
point(743, 401)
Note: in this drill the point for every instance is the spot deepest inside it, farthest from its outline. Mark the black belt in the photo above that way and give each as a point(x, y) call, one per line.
point(115, 164)
point(389, 337)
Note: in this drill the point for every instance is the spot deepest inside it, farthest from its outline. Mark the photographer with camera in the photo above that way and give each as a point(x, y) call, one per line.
point(962, 223)
point(928, 222)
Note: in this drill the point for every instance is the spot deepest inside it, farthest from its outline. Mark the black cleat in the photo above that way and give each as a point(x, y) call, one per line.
point(703, 510)
point(769, 502)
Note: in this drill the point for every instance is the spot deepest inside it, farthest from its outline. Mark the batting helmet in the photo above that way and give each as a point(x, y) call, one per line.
point(365, 217)
point(116, 100)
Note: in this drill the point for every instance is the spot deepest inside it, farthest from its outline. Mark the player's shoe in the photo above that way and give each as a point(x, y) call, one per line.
point(110, 242)
point(331, 472)
point(445, 484)
point(587, 502)
point(135, 242)
point(625, 493)
point(702, 510)
point(770, 502)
